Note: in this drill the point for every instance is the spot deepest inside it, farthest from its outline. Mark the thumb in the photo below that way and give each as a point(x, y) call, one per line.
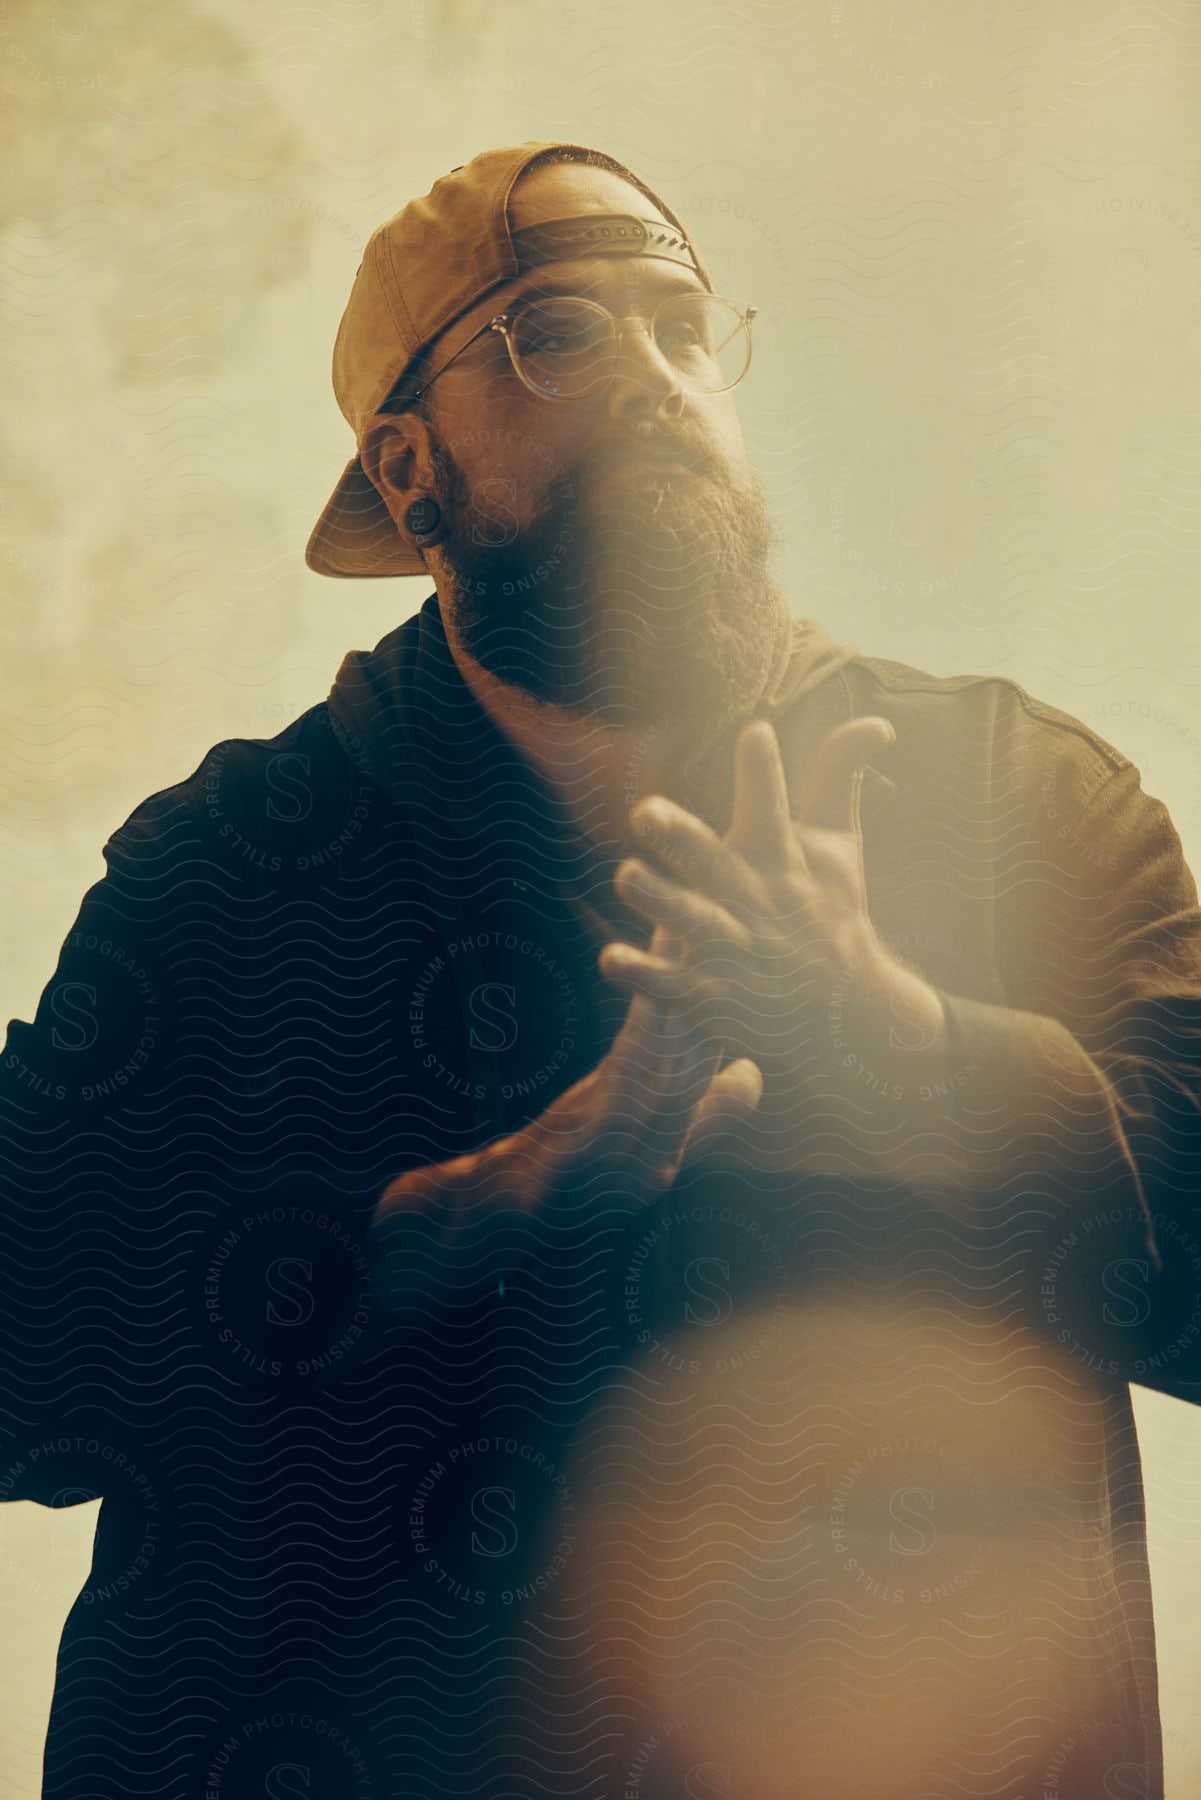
point(730, 1099)
point(830, 800)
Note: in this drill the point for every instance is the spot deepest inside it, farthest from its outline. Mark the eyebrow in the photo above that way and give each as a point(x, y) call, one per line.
point(550, 284)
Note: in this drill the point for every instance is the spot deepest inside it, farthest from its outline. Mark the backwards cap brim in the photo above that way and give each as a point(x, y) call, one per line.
point(356, 534)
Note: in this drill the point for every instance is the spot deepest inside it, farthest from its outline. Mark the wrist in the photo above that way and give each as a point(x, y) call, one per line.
point(847, 1101)
point(889, 1019)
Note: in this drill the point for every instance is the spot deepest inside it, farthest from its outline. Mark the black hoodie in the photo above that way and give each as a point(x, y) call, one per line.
point(369, 943)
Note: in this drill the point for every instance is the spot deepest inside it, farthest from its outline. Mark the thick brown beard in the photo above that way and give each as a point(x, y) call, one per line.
point(631, 599)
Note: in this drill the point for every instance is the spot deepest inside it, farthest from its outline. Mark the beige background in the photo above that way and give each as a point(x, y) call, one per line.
point(974, 234)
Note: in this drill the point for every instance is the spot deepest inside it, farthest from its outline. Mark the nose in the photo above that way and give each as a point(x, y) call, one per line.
point(644, 384)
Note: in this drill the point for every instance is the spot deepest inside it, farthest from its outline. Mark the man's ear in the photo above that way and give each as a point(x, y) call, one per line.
point(397, 459)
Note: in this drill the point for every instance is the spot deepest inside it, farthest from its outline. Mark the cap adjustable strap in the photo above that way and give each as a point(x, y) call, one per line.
point(617, 234)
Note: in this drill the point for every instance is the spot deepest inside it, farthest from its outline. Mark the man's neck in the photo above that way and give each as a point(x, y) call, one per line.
point(598, 772)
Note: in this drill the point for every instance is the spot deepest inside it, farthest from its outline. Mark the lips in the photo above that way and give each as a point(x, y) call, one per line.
point(657, 465)
point(673, 463)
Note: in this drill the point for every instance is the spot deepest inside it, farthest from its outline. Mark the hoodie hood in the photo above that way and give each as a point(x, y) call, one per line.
point(811, 657)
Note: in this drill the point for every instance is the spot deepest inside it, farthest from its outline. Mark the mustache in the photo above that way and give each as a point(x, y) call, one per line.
point(488, 524)
point(621, 448)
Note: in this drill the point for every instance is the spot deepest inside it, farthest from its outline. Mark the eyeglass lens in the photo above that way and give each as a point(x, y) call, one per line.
point(567, 346)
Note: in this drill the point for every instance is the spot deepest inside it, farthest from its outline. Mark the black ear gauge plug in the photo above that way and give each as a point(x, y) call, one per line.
point(423, 516)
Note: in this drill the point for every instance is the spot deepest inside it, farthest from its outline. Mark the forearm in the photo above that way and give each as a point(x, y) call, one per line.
point(954, 1095)
point(1080, 1170)
point(1089, 1164)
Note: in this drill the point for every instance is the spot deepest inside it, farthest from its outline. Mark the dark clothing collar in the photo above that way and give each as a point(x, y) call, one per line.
point(404, 711)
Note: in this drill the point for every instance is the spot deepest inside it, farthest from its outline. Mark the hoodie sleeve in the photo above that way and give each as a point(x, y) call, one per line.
point(81, 1299)
point(1074, 1113)
point(157, 1200)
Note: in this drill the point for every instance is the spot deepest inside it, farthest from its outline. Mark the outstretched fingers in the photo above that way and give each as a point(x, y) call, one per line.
point(696, 918)
point(761, 829)
point(692, 854)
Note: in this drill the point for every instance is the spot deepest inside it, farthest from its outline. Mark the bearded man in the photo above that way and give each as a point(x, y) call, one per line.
point(591, 1207)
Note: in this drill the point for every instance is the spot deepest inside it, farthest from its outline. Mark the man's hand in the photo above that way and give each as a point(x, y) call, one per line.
point(657, 1102)
point(771, 929)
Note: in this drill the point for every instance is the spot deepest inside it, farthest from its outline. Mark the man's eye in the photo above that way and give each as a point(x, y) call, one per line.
point(554, 333)
point(680, 336)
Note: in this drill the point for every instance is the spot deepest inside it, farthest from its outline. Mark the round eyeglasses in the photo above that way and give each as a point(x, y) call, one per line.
point(564, 347)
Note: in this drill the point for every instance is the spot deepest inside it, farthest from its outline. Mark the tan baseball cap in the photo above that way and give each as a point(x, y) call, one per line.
point(422, 269)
